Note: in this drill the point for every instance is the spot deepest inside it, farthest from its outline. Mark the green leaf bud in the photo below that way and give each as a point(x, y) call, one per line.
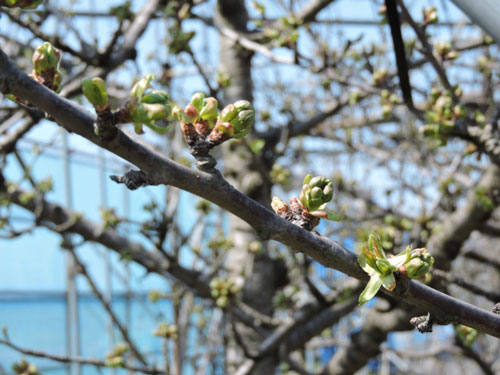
point(95, 91)
point(140, 87)
point(383, 266)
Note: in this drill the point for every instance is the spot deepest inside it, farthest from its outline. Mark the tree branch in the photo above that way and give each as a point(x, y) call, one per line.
point(161, 170)
point(85, 361)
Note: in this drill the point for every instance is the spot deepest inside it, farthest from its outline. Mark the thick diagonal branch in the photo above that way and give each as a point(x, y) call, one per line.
point(214, 188)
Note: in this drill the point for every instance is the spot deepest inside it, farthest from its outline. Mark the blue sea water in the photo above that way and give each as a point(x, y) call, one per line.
point(38, 323)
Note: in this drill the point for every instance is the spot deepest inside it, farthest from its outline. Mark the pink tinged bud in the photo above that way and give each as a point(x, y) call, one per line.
point(191, 112)
point(224, 127)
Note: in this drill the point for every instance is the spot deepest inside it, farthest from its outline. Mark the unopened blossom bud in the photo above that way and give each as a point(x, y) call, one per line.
point(242, 123)
point(178, 113)
point(197, 101)
point(191, 112)
point(209, 109)
point(148, 113)
point(228, 113)
point(46, 59)
point(316, 192)
point(95, 91)
point(240, 115)
point(156, 97)
point(419, 264)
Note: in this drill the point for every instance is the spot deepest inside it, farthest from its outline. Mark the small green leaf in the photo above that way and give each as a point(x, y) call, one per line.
point(335, 217)
point(389, 282)
point(371, 289)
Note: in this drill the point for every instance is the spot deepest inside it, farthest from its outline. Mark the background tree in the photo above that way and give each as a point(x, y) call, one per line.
point(410, 140)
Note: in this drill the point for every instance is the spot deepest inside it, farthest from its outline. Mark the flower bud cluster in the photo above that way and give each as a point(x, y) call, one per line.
point(46, 59)
point(204, 127)
point(223, 289)
point(116, 357)
point(419, 263)
point(25, 368)
point(316, 192)
point(413, 264)
point(24, 4)
point(147, 106)
point(442, 114)
point(309, 207)
point(168, 331)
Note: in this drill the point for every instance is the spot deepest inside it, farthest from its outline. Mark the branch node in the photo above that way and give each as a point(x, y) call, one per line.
point(205, 163)
point(105, 127)
point(496, 309)
point(422, 323)
point(133, 179)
